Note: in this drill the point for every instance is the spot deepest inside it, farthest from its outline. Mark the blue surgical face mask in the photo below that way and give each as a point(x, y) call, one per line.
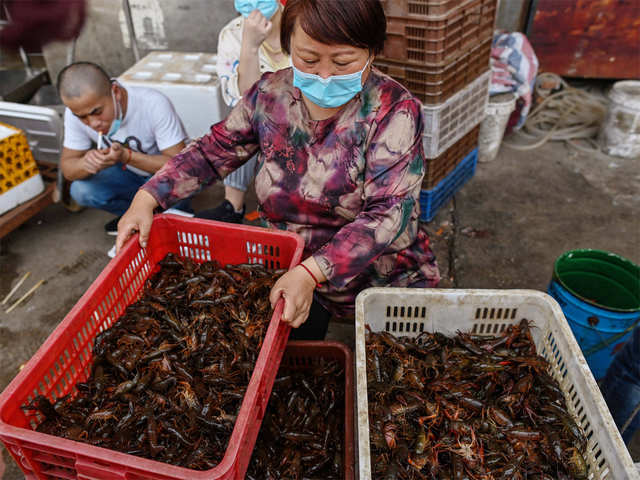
point(117, 121)
point(330, 92)
point(266, 7)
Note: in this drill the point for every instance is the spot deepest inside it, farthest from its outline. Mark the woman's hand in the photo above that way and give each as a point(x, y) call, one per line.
point(256, 29)
point(137, 219)
point(296, 287)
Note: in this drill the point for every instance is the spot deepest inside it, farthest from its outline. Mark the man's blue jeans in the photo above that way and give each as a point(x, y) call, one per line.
point(112, 189)
point(621, 385)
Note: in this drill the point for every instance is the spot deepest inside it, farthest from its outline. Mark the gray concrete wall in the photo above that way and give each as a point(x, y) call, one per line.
point(188, 25)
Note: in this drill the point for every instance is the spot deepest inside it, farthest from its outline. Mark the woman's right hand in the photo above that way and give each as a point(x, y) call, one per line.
point(137, 218)
point(256, 29)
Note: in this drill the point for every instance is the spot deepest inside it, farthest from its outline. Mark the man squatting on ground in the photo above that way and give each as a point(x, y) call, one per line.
point(115, 138)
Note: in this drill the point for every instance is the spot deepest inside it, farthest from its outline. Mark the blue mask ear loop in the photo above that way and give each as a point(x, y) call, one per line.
point(115, 125)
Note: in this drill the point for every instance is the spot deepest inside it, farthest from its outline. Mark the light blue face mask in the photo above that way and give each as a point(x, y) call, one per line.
point(115, 124)
point(266, 7)
point(330, 92)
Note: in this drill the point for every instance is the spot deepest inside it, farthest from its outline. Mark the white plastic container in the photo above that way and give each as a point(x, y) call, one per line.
point(408, 312)
point(43, 127)
point(448, 122)
point(190, 80)
point(492, 128)
point(620, 131)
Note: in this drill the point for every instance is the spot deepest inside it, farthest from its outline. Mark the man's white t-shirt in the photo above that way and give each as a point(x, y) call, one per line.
point(150, 126)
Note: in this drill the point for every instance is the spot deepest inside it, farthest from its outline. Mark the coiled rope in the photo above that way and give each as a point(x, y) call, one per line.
point(570, 115)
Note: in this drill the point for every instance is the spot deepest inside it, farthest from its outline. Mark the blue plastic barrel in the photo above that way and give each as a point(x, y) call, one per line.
point(599, 293)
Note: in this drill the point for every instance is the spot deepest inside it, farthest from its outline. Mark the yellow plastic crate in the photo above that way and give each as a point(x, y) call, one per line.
point(20, 178)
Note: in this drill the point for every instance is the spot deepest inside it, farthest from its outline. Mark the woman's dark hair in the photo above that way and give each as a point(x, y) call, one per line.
point(360, 23)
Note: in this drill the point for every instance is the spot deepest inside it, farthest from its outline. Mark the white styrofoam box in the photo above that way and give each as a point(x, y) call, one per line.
point(42, 126)
point(448, 122)
point(19, 177)
point(21, 193)
point(190, 80)
point(410, 311)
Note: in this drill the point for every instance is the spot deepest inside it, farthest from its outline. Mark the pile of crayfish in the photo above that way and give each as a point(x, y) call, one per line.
point(302, 433)
point(167, 379)
point(468, 407)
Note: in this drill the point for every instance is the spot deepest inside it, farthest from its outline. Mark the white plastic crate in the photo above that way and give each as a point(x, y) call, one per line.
point(448, 122)
point(43, 127)
point(189, 79)
point(408, 312)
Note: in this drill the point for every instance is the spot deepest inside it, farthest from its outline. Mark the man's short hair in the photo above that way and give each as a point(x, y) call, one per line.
point(79, 78)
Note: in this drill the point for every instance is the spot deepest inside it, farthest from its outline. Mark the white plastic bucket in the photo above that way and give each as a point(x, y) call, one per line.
point(620, 131)
point(498, 111)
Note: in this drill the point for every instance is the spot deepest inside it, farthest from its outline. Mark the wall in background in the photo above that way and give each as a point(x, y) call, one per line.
point(587, 38)
point(182, 25)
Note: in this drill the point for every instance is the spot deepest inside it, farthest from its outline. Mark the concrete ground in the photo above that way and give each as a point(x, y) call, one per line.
point(504, 229)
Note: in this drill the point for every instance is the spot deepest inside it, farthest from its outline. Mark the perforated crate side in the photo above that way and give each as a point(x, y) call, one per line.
point(424, 40)
point(408, 312)
point(436, 169)
point(419, 9)
point(431, 200)
point(446, 123)
point(435, 84)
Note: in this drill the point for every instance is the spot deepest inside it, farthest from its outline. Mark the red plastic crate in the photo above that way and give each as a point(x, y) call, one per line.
point(304, 355)
point(65, 357)
point(434, 40)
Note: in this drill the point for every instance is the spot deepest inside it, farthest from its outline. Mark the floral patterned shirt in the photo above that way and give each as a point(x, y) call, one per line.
point(349, 184)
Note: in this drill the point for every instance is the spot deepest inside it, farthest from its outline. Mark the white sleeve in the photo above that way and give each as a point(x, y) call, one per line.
point(167, 126)
point(229, 44)
point(75, 135)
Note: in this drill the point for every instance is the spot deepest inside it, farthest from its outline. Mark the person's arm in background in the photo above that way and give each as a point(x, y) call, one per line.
point(255, 31)
point(143, 161)
point(229, 46)
point(238, 55)
point(80, 164)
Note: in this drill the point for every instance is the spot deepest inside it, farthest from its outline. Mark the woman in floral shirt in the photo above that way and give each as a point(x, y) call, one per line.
point(340, 162)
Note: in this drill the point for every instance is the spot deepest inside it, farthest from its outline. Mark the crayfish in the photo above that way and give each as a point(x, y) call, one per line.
point(303, 429)
point(168, 378)
point(471, 406)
